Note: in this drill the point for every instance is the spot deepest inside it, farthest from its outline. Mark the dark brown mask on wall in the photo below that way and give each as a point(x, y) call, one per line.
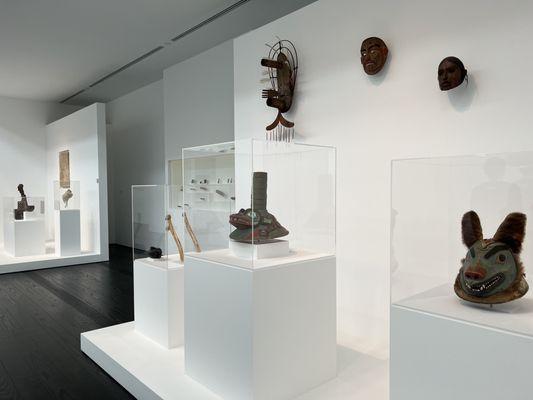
point(374, 53)
point(451, 73)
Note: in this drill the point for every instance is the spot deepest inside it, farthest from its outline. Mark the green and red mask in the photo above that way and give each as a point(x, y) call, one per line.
point(491, 271)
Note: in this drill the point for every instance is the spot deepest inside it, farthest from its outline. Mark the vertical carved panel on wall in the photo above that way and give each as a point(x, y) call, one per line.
point(64, 169)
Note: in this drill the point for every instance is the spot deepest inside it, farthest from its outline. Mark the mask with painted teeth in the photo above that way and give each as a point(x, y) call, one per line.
point(492, 272)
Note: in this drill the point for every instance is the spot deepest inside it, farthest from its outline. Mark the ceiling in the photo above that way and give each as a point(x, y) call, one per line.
point(52, 49)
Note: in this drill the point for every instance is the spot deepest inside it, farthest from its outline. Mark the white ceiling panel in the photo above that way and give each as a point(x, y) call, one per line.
point(52, 49)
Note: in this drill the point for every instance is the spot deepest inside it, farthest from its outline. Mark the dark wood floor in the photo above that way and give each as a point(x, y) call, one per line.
point(42, 314)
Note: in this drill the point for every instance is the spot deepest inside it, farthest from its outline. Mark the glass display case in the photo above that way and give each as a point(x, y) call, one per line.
point(67, 198)
point(157, 224)
point(433, 237)
point(254, 203)
point(24, 226)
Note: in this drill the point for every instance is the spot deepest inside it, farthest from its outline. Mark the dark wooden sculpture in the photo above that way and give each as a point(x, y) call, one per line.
point(282, 64)
point(451, 73)
point(374, 54)
point(256, 224)
point(22, 204)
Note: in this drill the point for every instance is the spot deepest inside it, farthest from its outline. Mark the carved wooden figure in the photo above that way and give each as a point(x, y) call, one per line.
point(282, 68)
point(64, 169)
point(22, 204)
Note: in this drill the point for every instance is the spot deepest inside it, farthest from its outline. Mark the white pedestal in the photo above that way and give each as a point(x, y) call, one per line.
point(276, 248)
point(158, 301)
point(266, 333)
point(67, 233)
point(440, 358)
point(151, 372)
point(25, 237)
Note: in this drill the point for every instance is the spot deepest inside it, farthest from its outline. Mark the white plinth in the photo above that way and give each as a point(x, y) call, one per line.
point(275, 248)
point(265, 333)
point(158, 300)
point(151, 372)
point(467, 356)
point(25, 237)
point(67, 233)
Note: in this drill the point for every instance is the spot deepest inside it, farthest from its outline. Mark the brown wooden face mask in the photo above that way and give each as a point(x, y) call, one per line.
point(451, 73)
point(374, 53)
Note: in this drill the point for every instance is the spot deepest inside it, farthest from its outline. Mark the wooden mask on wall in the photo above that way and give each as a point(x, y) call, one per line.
point(451, 73)
point(374, 54)
point(282, 68)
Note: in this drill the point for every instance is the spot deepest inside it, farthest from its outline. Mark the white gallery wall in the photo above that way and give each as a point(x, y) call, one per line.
point(199, 100)
point(191, 106)
point(198, 95)
point(400, 113)
point(83, 133)
point(23, 145)
point(136, 153)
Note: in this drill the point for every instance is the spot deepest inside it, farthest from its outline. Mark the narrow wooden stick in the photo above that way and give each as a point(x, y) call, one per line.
point(170, 228)
point(191, 233)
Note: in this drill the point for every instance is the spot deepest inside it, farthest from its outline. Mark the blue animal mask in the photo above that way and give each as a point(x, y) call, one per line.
point(491, 271)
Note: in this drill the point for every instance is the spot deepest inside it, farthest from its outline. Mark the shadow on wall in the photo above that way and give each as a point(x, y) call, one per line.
point(144, 237)
point(461, 98)
point(497, 188)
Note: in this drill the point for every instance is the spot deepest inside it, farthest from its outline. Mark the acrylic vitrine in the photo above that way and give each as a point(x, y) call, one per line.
point(434, 332)
point(429, 198)
point(67, 198)
point(67, 219)
point(268, 239)
point(157, 242)
point(157, 225)
point(24, 226)
point(260, 200)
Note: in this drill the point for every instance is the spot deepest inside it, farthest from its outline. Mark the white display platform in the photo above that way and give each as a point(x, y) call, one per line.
point(264, 333)
point(444, 348)
point(515, 316)
point(67, 232)
point(225, 256)
point(149, 371)
point(158, 299)
point(275, 248)
point(25, 237)
point(9, 264)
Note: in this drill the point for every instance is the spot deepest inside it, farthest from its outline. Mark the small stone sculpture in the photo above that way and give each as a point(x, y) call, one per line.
point(451, 73)
point(492, 272)
point(22, 205)
point(155, 252)
point(282, 68)
point(256, 224)
point(67, 196)
point(374, 54)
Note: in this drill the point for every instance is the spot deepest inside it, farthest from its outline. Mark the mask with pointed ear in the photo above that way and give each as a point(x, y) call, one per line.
point(492, 272)
point(471, 228)
point(512, 231)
